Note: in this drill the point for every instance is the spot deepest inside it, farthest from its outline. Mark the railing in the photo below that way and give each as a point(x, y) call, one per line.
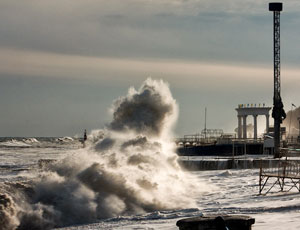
point(292, 140)
point(199, 140)
point(286, 174)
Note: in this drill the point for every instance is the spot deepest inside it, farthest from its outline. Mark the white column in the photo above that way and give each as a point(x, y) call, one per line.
point(267, 123)
point(239, 126)
point(299, 126)
point(255, 126)
point(245, 126)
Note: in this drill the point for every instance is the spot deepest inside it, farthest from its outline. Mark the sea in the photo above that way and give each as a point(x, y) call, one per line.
point(23, 160)
point(127, 175)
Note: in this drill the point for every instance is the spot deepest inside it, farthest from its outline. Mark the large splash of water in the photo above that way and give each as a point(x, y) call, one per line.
point(128, 168)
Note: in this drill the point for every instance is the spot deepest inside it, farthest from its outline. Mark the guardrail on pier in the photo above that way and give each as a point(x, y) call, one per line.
point(198, 140)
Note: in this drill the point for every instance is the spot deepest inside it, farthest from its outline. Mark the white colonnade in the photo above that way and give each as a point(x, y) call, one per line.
point(254, 111)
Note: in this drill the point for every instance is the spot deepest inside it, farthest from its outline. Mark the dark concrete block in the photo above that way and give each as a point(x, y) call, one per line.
point(233, 222)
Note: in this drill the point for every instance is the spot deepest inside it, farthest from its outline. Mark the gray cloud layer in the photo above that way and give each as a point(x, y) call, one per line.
point(193, 29)
point(54, 52)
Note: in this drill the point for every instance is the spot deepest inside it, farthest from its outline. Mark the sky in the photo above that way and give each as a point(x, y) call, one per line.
point(64, 62)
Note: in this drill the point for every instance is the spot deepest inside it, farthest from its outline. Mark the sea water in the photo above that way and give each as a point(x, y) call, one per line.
point(126, 176)
point(231, 191)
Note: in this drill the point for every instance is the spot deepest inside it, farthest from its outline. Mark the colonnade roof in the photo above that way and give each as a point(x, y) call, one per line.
point(245, 111)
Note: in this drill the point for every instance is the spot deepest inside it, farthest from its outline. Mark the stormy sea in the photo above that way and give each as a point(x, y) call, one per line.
point(126, 176)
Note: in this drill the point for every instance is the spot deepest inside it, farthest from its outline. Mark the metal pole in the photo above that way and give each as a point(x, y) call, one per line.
point(276, 33)
point(278, 113)
point(289, 136)
point(233, 149)
point(205, 125)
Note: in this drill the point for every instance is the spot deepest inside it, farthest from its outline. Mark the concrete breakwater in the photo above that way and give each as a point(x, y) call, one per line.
point(200, 164)
point(224, 149)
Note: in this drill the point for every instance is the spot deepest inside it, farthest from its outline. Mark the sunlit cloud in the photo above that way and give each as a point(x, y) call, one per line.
point(181, 72)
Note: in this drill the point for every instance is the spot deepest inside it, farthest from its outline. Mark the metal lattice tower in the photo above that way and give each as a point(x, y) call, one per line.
point(278, 113)
point(276, 32)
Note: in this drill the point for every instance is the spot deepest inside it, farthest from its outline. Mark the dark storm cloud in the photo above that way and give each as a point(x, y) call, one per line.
point(195, 29)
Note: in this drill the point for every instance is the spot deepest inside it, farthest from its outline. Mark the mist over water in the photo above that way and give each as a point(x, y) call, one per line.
point(129, 167)
point(291, 122)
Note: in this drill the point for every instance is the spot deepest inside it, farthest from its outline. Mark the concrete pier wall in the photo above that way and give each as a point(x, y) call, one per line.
point(221, 150)
point(221, 164)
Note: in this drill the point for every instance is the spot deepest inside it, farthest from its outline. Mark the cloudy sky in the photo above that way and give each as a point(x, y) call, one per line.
point(63, 62)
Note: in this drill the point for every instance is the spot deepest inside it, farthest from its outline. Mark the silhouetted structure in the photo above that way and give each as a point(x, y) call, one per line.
point(278, 112)
point(84, 136)
point(298, 139)
point(220, 223)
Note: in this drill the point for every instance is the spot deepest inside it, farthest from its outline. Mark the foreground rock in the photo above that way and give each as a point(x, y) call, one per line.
point(211, 222)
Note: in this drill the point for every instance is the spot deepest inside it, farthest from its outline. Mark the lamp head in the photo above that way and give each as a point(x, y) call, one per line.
point(275, 6)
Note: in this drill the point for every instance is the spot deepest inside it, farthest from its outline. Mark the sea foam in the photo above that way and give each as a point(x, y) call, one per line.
point(130, 167)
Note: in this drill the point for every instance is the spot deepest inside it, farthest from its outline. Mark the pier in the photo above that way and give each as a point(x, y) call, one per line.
point(225, 145)
point(198, 163)
point(214, 142)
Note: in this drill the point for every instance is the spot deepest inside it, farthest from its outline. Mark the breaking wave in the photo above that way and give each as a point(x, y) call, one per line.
point(129, 167)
